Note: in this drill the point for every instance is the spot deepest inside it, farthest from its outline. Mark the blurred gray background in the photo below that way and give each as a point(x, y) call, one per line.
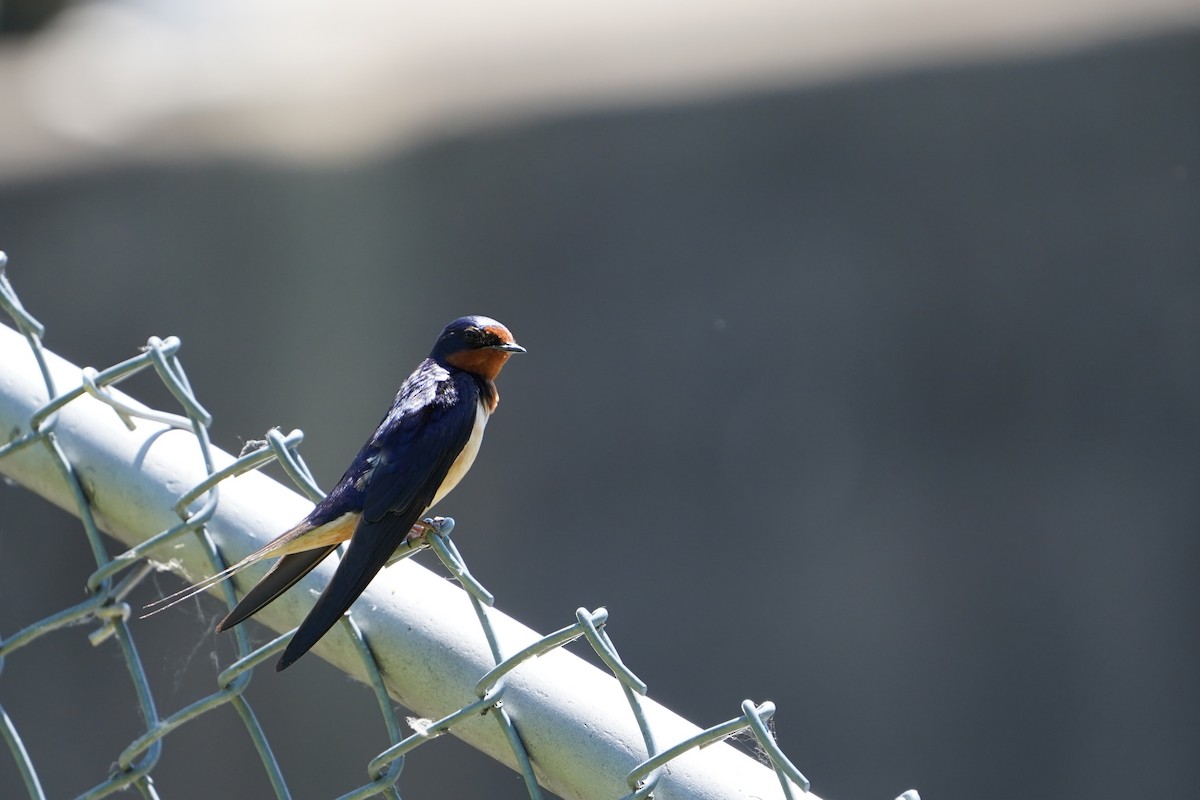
point(872, 393)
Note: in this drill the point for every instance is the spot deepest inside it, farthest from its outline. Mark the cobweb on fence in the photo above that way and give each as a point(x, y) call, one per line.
point(104, 615)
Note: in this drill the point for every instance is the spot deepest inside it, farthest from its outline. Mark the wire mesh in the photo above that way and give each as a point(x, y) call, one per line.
point(106, 609)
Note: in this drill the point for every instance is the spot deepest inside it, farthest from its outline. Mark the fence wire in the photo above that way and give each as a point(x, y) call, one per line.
point(108, 614)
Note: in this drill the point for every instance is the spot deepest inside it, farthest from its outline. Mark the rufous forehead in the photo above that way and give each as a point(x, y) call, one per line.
point(500, 332)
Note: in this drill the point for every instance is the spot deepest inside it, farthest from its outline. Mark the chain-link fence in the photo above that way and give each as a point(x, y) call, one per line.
point(118, 465)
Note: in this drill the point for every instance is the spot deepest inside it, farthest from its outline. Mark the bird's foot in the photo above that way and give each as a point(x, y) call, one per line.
point(418, 538)
point(440, 526)
point(418, 532)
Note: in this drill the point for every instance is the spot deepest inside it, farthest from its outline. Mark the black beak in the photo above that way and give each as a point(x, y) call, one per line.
point(510, 347)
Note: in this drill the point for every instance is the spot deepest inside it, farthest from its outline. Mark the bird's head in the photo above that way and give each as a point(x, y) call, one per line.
point(479, 345)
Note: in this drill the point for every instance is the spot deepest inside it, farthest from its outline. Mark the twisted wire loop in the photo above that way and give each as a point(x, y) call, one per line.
point(105, 606)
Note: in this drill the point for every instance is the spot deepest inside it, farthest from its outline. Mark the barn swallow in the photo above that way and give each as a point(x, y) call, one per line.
point(420, 451)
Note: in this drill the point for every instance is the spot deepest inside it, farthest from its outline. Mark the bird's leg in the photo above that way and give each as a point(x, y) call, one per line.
point(419, 529)
point(440, 526)
point(417, 540)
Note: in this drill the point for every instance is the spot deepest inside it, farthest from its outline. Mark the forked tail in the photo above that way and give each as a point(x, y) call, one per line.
point(162, 604)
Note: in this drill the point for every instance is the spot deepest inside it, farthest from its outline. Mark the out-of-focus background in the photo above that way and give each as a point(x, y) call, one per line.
point(862, 368)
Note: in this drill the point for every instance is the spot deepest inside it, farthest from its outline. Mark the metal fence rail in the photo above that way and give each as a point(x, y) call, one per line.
point(441, 651)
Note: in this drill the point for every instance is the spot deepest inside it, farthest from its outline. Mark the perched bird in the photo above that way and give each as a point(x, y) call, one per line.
point(420, 451)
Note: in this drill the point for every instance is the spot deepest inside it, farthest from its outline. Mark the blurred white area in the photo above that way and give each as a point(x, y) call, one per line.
point(323, 82)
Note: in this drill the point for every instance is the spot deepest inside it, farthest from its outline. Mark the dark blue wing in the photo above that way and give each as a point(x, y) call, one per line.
point(416, 444)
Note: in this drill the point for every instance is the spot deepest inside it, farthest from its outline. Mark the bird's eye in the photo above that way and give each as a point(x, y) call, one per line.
point(473, 336)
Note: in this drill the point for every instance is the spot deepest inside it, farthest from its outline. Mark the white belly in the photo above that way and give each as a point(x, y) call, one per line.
point(466, 458)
